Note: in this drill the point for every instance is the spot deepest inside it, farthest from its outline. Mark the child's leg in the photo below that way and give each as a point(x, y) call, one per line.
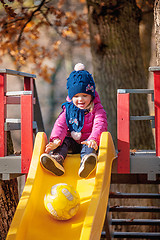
point(88, 161)
point(53, 162)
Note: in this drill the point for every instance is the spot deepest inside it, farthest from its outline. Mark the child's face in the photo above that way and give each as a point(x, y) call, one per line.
point(82, 100)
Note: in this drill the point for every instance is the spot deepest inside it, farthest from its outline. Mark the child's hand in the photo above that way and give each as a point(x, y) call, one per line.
point(91, 143)
point(52, 145)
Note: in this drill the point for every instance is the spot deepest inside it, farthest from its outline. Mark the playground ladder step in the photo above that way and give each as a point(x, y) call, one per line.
point(18, 93)
point(14, 97)
point(15, 124)
point(134, 209)
point(135, 195)
point(142, 235)
point(135, 222)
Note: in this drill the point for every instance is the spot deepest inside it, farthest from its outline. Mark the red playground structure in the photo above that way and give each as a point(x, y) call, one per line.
point(142, 167)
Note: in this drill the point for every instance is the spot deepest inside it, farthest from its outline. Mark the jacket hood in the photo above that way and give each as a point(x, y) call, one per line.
point(97, 98)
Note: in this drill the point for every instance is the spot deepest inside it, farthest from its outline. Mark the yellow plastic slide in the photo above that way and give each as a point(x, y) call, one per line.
point(33, 222)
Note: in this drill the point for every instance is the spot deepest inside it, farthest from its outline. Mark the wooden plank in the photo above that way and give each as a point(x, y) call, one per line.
point(28, 84)
point(133, 178)
point(107, 227)
point(157, 109)
point(142, 118)
point(123, 136)
point(135, 195)
point(18, 93)
point(134, 209)
point(15, 100)
point(135, 222)
point(10, 164)
point(143, 162)
point(133, 235)
point(3, 134)
point(26, 131)
point(12, 100)
point(17, 73)
point(154, 69)
point(37, 111)
point(145, 91)
point(15, 124)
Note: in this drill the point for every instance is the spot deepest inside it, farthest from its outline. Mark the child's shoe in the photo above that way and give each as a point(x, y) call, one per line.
point(53, 163)
point(88, 164)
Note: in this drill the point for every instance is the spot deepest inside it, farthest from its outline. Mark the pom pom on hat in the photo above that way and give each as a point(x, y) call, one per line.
point(79, 67)
point(80, 81)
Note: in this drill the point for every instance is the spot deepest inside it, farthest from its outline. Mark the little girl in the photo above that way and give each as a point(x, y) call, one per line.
point(78, 127)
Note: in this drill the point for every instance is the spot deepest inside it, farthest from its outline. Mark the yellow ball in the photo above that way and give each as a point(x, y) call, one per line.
point(62, 202)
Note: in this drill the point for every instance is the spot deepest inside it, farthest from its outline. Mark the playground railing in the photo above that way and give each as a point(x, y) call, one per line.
point(141, 161)
point(27, 99)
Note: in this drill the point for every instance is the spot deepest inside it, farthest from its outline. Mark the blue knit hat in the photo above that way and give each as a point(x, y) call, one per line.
point(80, 81)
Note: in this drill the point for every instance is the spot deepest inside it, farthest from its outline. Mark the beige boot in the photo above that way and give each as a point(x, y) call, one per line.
point(53, 163)
point(88, 164)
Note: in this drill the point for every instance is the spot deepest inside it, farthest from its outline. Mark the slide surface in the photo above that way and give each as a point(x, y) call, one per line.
point(31, 220)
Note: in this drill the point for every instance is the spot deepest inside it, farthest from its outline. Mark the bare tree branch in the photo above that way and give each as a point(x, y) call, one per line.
point(29, 20)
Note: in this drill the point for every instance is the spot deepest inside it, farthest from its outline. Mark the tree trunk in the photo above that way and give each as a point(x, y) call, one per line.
point(117, 63)
point(8, 204)
point(8, 197)
point(146, 26)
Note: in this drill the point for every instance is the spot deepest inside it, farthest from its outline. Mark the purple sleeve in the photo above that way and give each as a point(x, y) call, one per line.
point(99, 125)
point(60, 127)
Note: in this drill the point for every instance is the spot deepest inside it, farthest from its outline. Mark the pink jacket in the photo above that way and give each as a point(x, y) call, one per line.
point(95, 122)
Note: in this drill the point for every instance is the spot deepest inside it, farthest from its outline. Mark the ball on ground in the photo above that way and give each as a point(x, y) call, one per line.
point(62, 202)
